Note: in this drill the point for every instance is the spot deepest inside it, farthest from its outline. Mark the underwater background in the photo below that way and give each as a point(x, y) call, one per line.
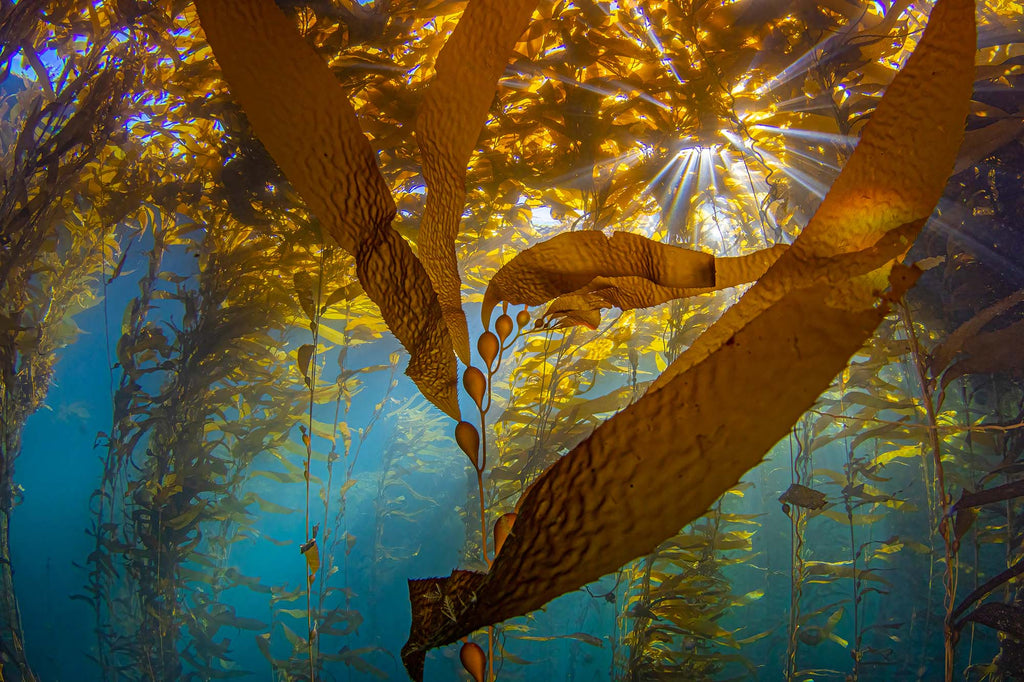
point(215, 467)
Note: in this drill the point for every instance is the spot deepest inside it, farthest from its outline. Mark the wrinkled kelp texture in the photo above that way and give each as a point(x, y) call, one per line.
point(587, 271)
point(306, 122)
point(448, 124)
point(661, 462)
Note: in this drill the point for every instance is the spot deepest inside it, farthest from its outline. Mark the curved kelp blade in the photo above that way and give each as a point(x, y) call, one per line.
point(451, 115)
point(583, 306)
point(307, 124)
point(893, 179)
point(625, 271)
point(642, 474)
point(661, 462)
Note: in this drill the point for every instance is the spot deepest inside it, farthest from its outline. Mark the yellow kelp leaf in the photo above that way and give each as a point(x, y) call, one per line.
point(312, 554)
point(893, 179)
point(625, 270)
point(571, 310)
point(307, 123)
point(641, 476)
point(448, 124)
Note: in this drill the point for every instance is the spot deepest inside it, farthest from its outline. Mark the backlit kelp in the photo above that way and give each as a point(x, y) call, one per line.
point(581, 519)
point(265, 478)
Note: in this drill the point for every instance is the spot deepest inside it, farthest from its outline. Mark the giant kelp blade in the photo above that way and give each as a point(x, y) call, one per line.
point(655, 466)
point(448, 125)
point(625, 270)
point(633, 291)
point(308, 125)
point(894, 177)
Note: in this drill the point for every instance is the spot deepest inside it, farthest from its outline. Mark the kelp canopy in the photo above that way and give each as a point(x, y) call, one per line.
point(284, 203)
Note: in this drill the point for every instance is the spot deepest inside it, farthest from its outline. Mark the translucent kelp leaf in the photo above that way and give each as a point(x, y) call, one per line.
point(305, 354)
point(954, 344)
point(637, 479)
point(451, 115)
point(571, 310)
point(579, 636)
point(308, 125)
point(187, 518)
point(312, 554)
point(626, 293)
point(991, 353)
point(981, 143)
point(625, 270)
point(263, 642)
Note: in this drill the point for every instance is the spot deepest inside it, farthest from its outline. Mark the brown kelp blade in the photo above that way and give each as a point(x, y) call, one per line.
point(641, 476)
point(630, 292)
point(307, 123)
point(894, 177)
point(624, 271)
point(661, 462)
point(451, 115)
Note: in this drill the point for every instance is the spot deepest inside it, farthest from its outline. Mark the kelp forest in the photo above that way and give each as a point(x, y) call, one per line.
point(511, 340)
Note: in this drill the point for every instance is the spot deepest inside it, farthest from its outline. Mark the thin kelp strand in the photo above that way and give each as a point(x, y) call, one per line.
point(945, 522)
point(309, 545)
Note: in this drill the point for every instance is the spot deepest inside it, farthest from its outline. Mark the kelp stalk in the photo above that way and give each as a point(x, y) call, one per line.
point(945, 520)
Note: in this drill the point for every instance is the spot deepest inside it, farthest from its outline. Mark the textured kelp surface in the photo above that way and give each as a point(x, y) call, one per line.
point(308, 125)
point(623, 271)
point(769, 358)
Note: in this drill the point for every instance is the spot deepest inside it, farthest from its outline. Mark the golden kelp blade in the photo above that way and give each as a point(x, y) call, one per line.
point(307, 124)
point(651, 469)
point(659, 463)
point(894, 177)
point(627, 293)
point(450, 118)
point(626, 271)
point(312, 554)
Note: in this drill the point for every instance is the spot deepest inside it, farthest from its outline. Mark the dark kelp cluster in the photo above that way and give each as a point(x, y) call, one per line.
point(433, 141)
